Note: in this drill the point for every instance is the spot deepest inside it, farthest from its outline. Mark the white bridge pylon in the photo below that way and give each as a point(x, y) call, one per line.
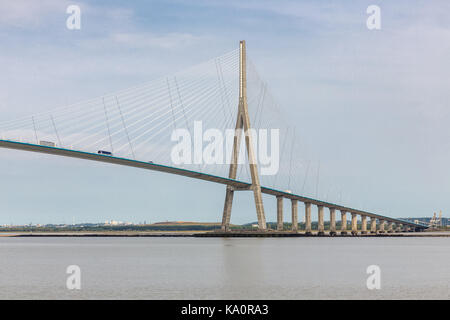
point(243, 126)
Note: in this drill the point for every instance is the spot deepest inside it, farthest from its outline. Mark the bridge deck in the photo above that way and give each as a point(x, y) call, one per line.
point(187, 173)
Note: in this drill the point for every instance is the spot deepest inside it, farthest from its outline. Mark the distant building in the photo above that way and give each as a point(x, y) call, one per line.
point(113, 223)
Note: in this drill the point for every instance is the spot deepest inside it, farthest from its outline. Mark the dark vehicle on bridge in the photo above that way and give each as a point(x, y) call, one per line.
point(106, 153)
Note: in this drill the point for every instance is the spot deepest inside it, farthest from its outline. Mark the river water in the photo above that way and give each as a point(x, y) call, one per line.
point(215, 268)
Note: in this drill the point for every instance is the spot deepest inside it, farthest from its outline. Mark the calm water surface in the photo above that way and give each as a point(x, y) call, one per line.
point(212, 268)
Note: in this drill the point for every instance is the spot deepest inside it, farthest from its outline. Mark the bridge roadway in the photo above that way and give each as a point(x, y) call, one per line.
point(240, 185)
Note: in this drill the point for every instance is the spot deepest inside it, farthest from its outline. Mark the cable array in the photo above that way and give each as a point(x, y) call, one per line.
point(138, 122)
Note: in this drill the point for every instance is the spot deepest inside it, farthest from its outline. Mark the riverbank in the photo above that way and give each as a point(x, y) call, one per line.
point(215, 234)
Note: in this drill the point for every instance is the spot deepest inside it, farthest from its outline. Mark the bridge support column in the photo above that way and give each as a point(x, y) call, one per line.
point(399, 227)
point(343, 222)
point(354, 224)
point(308, 218)
point(243, 123)
point(332, 221)
point(280, 226)
point(363, 224)
point(390, 227)
point(321, 224)
point(227, 209)
point(382, 222)
point(294, 205)
point(373, 225)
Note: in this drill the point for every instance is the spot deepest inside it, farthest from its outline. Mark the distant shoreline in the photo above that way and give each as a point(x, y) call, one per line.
point(217, 234)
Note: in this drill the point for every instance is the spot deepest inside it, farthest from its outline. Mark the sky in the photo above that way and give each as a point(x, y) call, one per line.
point(371, 106)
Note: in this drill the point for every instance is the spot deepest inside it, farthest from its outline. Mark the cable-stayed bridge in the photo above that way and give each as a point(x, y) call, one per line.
point(139, 127)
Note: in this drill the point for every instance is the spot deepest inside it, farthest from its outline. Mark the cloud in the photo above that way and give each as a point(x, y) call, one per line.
point(26, 14)
point(149, 40)
point(313, 11)
point(29, 14)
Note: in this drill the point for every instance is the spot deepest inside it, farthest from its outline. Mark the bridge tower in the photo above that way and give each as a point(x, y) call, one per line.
point(243, 123)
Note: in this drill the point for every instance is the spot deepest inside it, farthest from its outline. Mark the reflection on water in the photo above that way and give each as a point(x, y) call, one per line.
point(213, 268)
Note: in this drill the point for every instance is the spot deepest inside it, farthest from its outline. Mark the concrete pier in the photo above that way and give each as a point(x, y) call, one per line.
point(382, 222)
point(390, 227)
point(308, 218)
point(363, 224)
point(343, 222)
point(321, 224)
point(399, 228)
point(373, 225)
point(332, 221)
point(354, 224)
point(294, 206)
point(280, 226)
point(263, 234)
